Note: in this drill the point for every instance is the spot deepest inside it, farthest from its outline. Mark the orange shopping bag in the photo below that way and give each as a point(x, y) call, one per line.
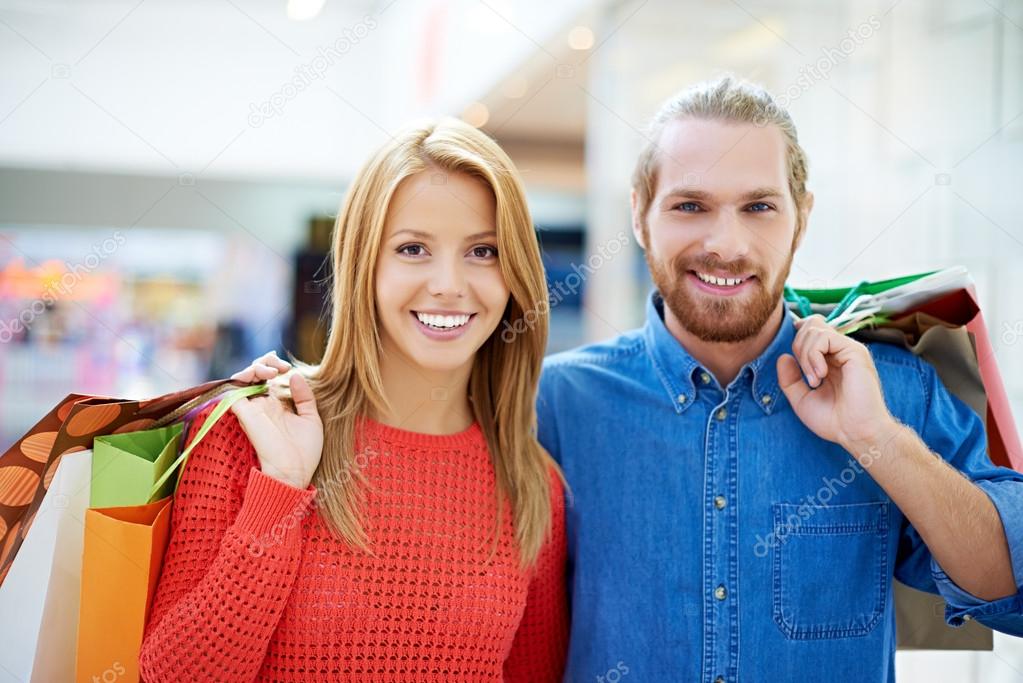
point(121, 562)
point(120, 566)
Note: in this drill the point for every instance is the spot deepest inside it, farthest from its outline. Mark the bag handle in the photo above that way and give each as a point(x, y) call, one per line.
point(222, 407)
point(211, 393)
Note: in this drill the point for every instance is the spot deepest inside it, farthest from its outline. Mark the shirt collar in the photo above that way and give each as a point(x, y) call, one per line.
point(680, 373)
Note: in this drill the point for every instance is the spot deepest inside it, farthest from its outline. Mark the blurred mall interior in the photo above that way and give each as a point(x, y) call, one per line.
point(169, 172)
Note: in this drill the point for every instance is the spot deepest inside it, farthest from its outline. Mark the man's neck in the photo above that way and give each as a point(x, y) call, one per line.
point(725, 359)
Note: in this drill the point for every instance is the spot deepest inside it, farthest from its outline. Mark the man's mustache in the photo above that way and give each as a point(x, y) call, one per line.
point(740, 268)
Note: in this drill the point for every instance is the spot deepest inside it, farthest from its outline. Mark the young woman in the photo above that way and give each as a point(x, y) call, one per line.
point(387, 515)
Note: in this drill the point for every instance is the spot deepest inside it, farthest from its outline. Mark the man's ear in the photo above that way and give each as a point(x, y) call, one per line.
point(804, 219)
point(637, 225)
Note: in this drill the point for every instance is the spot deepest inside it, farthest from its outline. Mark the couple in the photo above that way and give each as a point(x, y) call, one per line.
point(391, 514)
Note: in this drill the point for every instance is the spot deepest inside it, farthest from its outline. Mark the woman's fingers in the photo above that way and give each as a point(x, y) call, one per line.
point(270, 358)
point(302, 395)
point(265, 367)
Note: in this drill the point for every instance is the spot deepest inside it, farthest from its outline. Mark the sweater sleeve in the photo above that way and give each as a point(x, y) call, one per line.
point(540, 647)
point(232, 559)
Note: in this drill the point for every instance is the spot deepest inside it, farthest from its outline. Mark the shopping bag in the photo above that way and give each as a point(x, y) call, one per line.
point(39, 599)
point(125, 466)
point(944, 326)
point(120, 566)
point(27, 467)
point(123, 555)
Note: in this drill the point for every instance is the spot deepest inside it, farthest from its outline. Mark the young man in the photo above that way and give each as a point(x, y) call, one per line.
point(731, 520)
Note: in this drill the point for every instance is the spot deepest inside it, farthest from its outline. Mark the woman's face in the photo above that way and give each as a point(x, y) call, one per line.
point(440, 293)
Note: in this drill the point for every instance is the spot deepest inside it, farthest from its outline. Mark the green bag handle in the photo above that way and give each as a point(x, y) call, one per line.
point(844, 296)
point(802, 303)
point(847, 300)
point(222, 407)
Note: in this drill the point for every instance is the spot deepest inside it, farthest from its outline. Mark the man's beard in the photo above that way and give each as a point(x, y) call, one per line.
point(722, 318)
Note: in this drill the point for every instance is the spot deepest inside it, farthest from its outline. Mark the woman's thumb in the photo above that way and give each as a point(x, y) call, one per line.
point(302, 395)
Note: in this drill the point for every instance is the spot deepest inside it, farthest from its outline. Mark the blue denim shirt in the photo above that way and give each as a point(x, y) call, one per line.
point(713, 537)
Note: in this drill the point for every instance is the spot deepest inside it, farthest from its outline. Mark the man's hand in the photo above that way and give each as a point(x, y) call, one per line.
point(841, 399)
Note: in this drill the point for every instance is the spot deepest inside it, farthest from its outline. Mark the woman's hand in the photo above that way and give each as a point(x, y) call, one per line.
point(288, 444)
point(265, 367)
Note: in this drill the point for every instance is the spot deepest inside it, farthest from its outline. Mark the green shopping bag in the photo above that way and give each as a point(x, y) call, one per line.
point(125, 466)
point(137, 468)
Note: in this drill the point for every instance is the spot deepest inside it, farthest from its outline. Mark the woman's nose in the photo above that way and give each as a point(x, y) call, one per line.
point(447, 279)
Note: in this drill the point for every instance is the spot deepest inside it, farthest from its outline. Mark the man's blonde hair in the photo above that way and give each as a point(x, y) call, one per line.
point(726, 99)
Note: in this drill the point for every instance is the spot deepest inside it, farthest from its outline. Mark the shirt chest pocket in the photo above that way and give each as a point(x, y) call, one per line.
point(830, 569)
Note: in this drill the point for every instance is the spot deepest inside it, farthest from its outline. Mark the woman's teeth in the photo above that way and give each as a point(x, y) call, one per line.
point(720, 281)
point(443, 321)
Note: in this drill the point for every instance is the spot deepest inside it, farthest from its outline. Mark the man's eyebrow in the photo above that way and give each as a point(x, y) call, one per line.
point(427, 235)
point(693, 193)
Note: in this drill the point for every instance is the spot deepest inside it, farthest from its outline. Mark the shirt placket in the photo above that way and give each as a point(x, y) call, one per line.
point(720, 535)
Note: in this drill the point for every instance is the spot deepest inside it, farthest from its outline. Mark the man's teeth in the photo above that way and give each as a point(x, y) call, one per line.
point(442, 321)
point(720, 281)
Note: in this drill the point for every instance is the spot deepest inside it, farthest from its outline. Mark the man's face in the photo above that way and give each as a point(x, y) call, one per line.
point(720, 232)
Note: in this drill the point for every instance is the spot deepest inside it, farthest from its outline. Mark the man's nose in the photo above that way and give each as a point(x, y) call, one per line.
point(729, 238)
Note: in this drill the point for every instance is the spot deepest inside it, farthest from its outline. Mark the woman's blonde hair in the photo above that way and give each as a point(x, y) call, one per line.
point(506, 369)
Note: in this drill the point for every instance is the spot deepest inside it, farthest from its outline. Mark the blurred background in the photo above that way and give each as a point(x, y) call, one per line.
point(169, 171)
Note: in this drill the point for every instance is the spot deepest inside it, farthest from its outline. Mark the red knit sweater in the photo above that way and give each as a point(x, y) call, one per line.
point(255, 587)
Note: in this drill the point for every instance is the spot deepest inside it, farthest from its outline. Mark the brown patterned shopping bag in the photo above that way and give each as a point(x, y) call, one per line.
point(27, 467)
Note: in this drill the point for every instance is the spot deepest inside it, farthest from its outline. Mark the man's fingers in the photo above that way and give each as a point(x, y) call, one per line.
point(802, 349)
point(790, 379)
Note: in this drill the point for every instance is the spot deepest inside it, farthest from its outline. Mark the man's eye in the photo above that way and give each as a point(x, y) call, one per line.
point(760, 207)
point(405, 250)
point(484, 251)
point(688, 207)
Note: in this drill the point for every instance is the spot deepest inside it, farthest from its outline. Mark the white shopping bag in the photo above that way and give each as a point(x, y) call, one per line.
point(40, 596)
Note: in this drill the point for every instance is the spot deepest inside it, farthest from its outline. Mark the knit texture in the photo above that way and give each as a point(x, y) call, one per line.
point(254, 586)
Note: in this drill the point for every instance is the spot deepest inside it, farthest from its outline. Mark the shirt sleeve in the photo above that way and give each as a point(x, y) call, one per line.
point(546, 423)
point(541, 643)
point(955, 432)
point(232, 559)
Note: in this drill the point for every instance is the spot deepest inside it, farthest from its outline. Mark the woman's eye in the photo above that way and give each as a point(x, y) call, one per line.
point(688, 207)
point(760, 207)
point(414, 247)
point(484, 251)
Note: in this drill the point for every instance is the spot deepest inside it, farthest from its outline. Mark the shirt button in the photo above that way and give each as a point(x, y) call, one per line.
point(681, 398)
point(705, 378)
point(721, 414)
point(765, 399)
point(719, 679)
point(720, 502)
point(720, 593)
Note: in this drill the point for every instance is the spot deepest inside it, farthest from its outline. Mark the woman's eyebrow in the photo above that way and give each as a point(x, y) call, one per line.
point(428, 235)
